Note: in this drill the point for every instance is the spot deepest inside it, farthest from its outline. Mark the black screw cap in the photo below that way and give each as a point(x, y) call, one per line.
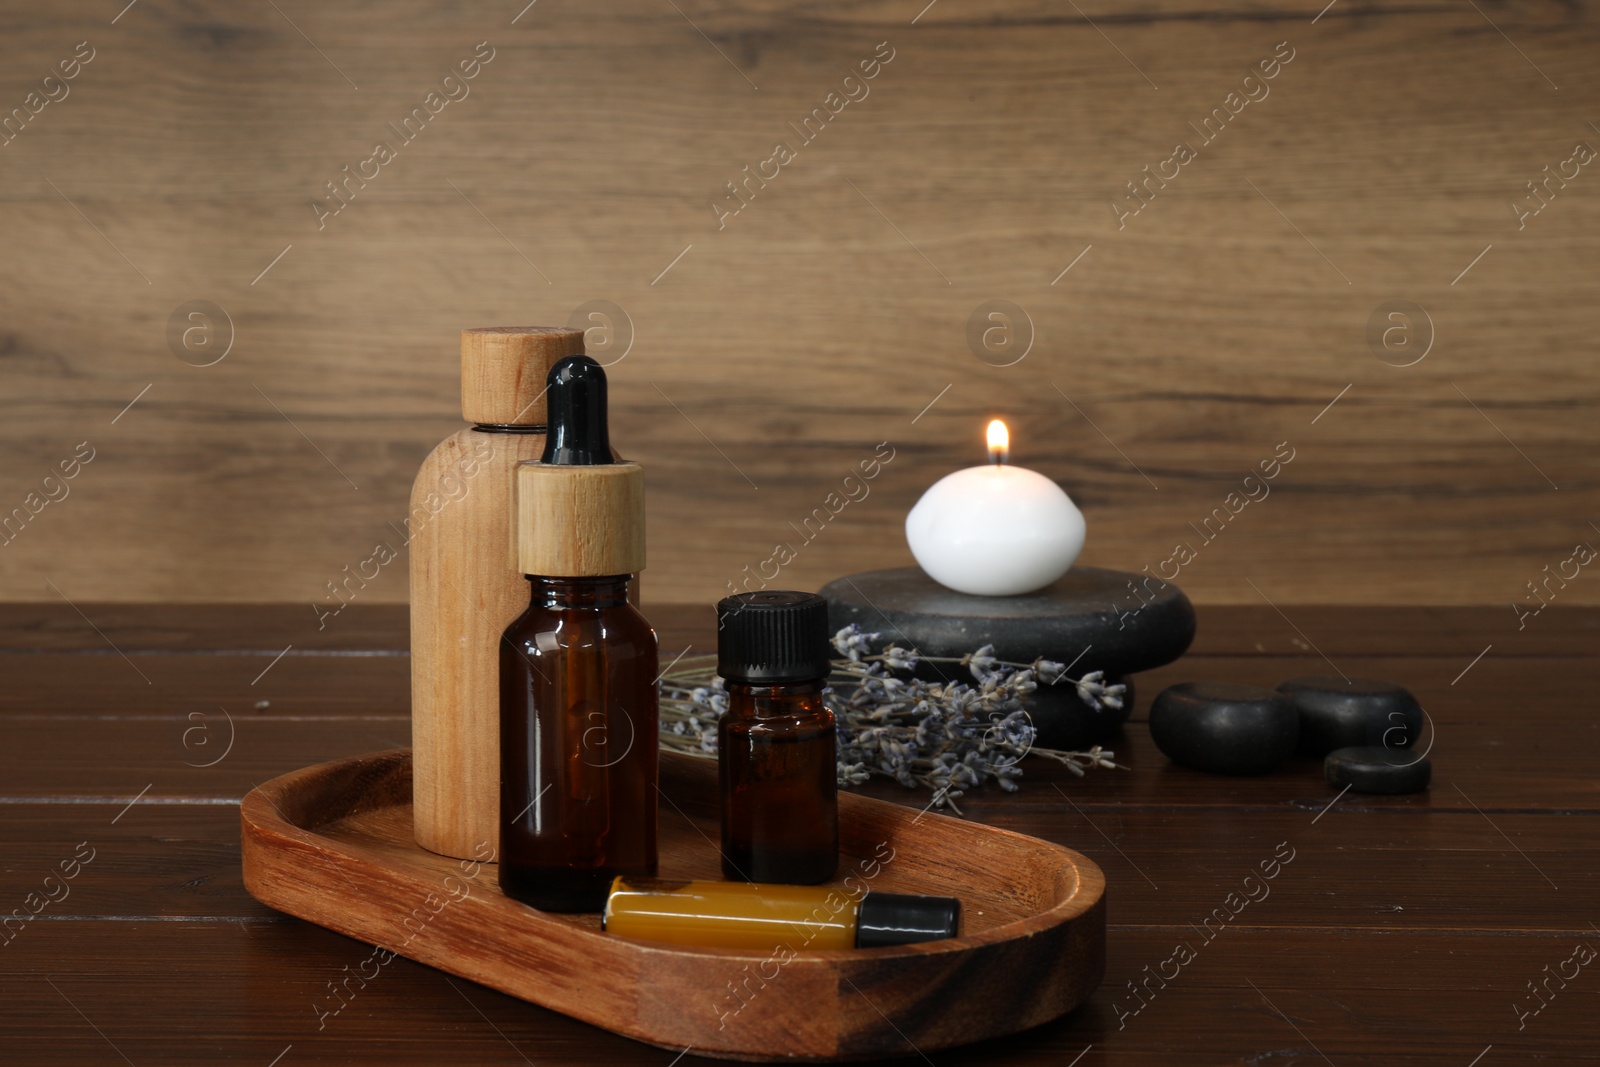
point(773, 637)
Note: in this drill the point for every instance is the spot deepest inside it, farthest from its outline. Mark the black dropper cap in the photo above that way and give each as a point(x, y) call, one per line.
point(773, 637)
point(576, 401)
point(905, 918)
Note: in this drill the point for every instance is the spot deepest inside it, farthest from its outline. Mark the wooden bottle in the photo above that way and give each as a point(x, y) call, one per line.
point(466, 584)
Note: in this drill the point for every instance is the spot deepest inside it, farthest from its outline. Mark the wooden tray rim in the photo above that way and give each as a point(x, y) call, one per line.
point(261, 810)
point(651, 992)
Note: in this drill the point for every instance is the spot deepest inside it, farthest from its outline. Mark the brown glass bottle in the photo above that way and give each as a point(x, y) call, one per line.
point(578, 744)
point(578, 714)
point(776, 743)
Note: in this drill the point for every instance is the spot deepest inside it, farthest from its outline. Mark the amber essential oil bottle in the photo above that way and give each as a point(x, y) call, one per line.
point(777, 748)
point(578, 712)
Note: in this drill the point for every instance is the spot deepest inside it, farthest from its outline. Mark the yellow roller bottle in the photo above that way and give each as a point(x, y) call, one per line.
point(754, 916)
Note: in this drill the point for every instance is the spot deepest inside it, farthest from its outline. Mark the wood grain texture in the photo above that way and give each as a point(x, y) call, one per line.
point(765, 358)
point(324, 702)
point(333, 844)
point(165, 755)
point(466, 589)
point(1254, 630)
point(1403, 934)
point(580, 521)
point(255, 987)
point(503, 371)
point(1449, 871)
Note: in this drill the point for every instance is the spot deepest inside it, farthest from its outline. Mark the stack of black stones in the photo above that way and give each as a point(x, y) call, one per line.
point(1118, 624)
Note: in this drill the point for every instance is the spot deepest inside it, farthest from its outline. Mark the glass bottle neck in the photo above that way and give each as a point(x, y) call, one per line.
point(609, 591)
point(788, 701)
point(812, 688)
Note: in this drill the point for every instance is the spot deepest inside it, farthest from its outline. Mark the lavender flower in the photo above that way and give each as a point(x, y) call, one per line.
point(1094, 693)
point(980, 663)
point(899, 659)
point(852, 644)
point(1048, 671)
point(948, 737)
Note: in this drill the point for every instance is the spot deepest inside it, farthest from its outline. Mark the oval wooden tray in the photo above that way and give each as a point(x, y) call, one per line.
point(333, 844)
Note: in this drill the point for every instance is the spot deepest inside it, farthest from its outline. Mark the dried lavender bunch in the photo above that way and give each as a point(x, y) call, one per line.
point(947, 736)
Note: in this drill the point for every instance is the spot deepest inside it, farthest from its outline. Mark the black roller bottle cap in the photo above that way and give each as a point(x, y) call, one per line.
point(905, 918)
point(576, 401)
point(773, 637)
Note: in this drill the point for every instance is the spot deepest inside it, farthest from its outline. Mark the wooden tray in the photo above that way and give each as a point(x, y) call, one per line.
point(333, 844)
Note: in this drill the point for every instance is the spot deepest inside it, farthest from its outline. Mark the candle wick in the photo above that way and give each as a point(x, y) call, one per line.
point(998, 456)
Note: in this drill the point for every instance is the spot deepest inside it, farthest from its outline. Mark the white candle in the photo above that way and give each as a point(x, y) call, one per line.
point(996, 530)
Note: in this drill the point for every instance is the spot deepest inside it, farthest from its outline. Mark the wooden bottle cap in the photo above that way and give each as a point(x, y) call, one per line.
point(582, 521)
point(503, 369)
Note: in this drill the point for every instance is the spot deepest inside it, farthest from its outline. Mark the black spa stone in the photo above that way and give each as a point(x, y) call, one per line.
point(1126, 622)
point(1224, 728)
point(1088, 608)
point(1062, 720)
point(1375, 769)
point(1340, 713)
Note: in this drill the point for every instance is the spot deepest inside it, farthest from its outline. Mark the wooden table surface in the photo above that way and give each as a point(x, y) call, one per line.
point(1405, 930)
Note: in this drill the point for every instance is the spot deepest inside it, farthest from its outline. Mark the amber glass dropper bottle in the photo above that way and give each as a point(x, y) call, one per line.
point(776, 744)
point(578, 713)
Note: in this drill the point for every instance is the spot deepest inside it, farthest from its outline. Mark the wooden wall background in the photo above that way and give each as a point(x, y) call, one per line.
point(776, 353)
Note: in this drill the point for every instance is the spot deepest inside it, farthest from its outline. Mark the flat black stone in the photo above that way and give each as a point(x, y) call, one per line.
point(1375, 769)
point(1089, 608)
point(1224, 728)
point(1341, 713)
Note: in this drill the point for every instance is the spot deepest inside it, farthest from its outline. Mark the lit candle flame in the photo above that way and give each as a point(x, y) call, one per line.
point(999, 442)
